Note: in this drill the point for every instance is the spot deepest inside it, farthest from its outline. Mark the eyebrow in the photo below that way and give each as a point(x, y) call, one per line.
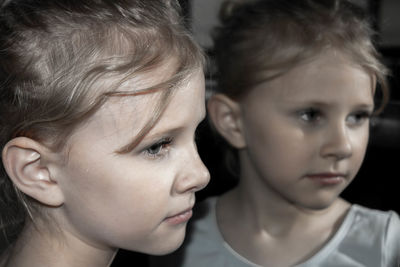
point(327, 104)
point(163, 133)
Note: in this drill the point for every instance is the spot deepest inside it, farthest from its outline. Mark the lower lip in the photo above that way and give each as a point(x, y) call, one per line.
point(327, 180)
point(180, 218)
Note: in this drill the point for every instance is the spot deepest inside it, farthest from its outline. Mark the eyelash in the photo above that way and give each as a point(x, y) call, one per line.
point(314, 115)
point(158, 149)
point(361, 116)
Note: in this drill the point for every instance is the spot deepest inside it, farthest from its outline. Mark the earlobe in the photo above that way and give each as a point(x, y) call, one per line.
point(226, 117)
point(23, 161)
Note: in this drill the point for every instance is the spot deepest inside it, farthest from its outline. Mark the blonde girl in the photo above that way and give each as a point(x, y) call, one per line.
point(99, 103)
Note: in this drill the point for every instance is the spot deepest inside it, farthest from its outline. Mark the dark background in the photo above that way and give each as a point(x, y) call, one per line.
point(376, 185)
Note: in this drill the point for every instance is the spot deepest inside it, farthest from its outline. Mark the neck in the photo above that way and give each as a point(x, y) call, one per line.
point(38, 246)
point(266, 211)
point(274, 216)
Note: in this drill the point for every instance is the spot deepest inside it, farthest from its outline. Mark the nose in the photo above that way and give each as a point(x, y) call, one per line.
point(193, 175)
point(337, 142)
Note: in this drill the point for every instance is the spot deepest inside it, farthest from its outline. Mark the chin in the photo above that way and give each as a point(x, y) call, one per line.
point(313, 204)
point(164, 245)
point(164, 249)
point(319, 204)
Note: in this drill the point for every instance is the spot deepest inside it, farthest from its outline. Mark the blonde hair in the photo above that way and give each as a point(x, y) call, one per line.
point(55, 57)
point(273, 36)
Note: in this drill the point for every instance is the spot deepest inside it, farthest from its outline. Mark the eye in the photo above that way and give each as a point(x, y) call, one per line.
point(310, 115)
point(159, 148)
point(359, 117)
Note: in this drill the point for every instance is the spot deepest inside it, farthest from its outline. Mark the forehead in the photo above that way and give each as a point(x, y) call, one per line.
point(132, 92)
point(327, 72)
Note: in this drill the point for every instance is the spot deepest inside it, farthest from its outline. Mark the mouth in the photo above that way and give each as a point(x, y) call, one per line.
point(180, 218)
point(327, 178)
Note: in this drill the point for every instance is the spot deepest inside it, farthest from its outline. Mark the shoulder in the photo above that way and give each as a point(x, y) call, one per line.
point(366, 237)
point(386, 224)
point(373, 219)
point(371, 223)
point(375, 234)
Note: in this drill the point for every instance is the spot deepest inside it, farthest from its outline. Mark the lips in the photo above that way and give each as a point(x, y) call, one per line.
point(327, 178)
point(326, 175)
point(180, 217)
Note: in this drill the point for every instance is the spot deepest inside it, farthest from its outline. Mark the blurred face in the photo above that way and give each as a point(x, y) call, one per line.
point(306, 132)
point(143, 199)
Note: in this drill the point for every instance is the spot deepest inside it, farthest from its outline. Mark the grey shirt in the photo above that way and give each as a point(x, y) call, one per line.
point(366, 237)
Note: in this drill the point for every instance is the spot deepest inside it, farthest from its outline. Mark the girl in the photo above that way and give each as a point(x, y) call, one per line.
point(297, 81)
point(99, 105)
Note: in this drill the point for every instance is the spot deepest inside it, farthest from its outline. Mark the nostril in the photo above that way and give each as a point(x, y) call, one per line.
point(337, 151)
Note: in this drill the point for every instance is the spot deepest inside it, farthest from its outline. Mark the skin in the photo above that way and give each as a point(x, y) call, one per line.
point(113, 200)
point(304, 138)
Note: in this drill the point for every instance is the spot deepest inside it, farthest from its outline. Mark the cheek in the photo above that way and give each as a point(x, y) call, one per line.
point(122, 204)
point(279, 141)
point(115, 185)
point(280, 151)
point(360, 143)
point(124, 183)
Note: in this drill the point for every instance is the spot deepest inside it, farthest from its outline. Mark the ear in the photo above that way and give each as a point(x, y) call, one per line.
point(23, 160)
point(225, 114)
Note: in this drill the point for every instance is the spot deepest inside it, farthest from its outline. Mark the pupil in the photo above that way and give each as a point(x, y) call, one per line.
point(155, 149)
